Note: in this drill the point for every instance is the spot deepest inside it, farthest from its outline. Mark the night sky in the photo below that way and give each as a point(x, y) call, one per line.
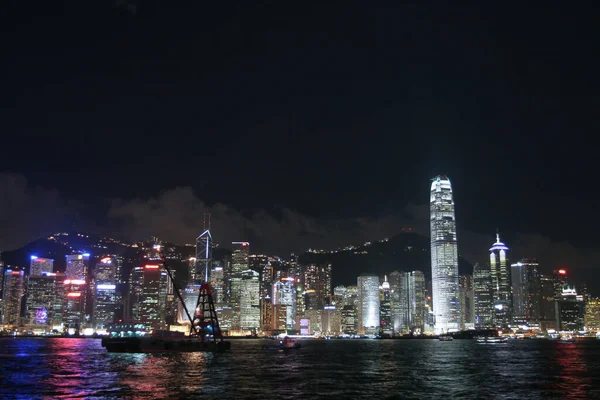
point(301, 125)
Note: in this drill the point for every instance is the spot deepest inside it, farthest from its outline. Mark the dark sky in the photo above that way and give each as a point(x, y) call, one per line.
point(334, 111)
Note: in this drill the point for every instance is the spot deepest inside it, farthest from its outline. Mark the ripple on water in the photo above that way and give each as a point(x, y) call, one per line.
point(377, 369)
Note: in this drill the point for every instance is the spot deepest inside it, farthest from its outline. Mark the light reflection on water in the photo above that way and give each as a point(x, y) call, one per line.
point(407, 369)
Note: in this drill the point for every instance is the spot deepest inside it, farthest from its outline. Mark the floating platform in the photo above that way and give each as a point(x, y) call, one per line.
point(150, 344)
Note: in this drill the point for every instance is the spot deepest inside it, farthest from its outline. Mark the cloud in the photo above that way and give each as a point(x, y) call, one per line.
point(28, 212)
point(177, 215)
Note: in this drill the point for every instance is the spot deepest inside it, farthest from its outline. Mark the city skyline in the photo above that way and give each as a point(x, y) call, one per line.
point(292, 141)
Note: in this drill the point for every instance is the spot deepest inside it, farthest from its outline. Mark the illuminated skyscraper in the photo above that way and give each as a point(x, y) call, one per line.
point(74, 305)
point(40, 266)
point(284, 297)
point(592, 315)
point(501, 282)
point(240, 257)
point(385, 307)
point(39, 304)
point(266, 297)
point(482, 293)
point(368, 311)
point(105, 292)
point(150, 304)
point(525, 291)
point(444, 257)
point(239, 264)
point(317, 278)
point(249, 300)
point(77, 266)
point(12, 296)
point(467, 310)
point(570, 310)
point(407, 302)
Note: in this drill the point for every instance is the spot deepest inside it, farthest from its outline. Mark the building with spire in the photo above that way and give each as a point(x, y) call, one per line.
point(444, 257)
point(501, 283)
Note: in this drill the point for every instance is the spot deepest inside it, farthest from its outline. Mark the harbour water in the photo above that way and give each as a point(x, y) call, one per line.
point(342, 369)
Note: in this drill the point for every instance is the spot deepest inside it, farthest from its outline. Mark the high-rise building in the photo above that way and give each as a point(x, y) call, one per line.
point(570, 310)
point(149, 303)
point(501, 281)
point(482, 297)
point(385, 308)
point(105, 293)
point(77, 266)
point(249, 300)
point(12, 295)
point(407, 302)
point(74, 305)
point(39, 303)
point(467, 302)
point(444, 257)
point(40, 266)
point(239, 264)
point(266, 297)
point(284, 297)
point(240, 261)
point(547, 303)
point(592, 315)
point(349, 319)
point(368, 311)
point(317, 277)
point(525, 291)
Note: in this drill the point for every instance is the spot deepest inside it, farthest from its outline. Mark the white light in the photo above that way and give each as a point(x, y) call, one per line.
point(106, 287)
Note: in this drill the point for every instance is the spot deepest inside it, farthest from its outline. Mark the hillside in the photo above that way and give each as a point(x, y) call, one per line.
point(405, 252)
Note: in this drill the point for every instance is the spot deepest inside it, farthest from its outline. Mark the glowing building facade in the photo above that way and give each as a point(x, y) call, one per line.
point(501, 283)
point(368, 310)
point(249, 300)
point(526, 288)
point(12, 294)
point(40, 302)
point(482, 297)
point(105, 292)
point(444, 257)
point(77, 266)
point(40, 266)
point(284, 297)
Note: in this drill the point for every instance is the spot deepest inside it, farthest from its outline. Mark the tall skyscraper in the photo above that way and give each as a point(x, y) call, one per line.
point(482, 293)
point(407, 302)
point(240, 257)
point(12, 293)
point(501, 282)
point(40, 266)
point(467, 302)
point(570, 310)
point(239, 264)
point(105, 292)
point(525, 291)
point(385, 306)
point(284, 298)
point(592, 315)
point(40, 302)
point(444, 257)
point(317, 277)
point(267, 296)
point(77, 266)
point(547, 303)
point(368, 294)
point(249, 300)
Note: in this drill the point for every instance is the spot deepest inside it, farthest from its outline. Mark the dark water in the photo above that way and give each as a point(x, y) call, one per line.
point(342, 369)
